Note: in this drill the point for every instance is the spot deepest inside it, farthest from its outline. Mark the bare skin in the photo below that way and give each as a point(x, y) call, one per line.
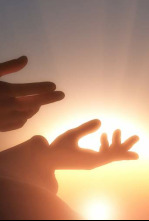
point(31, 167)
point(20, 102)
point(28, 185)
point(63, 153)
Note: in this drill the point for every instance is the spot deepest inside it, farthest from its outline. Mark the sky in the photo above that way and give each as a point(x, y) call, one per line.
point(97, 52)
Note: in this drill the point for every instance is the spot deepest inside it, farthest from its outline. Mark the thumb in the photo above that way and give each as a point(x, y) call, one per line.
point(13, 66)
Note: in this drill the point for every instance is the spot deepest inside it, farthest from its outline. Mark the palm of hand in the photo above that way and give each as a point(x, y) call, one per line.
point(67, 154)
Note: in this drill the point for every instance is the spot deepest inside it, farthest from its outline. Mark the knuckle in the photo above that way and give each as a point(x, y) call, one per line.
point(39, 147)
point(71, 133)
point(39, 141)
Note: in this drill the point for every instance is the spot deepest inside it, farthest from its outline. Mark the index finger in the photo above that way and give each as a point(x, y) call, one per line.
point(19, 90)
point(13, 66)
point(86, 129)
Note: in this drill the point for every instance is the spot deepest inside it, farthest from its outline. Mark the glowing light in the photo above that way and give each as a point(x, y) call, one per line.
point(99, 211)
point(109, 125)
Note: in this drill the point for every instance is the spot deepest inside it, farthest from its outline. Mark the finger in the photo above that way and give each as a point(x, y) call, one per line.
point(13, 117)
point(86, 129)
point(12, 126)
point(128, 144)
point(8, 105)
point(13, 66)
point(19, 90)
point(129, 156)
point(32, 112)
point(32, 102)
point(104, 143)
point(116, 140)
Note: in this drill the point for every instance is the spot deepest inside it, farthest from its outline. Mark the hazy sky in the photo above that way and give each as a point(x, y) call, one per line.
point(96, 51)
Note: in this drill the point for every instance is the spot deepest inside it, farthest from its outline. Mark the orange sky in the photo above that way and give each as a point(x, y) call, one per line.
point(97, 53)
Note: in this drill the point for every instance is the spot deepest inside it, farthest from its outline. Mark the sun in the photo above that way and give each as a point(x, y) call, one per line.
point(98, 210)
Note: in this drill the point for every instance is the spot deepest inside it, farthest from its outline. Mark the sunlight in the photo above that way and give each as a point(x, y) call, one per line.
point(98, 210)
point(109, 125)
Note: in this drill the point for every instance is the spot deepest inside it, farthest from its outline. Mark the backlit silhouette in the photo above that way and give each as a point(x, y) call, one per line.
point(19, 102)
point(28, 185)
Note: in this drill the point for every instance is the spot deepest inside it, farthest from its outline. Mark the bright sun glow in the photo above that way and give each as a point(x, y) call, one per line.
point(98, 210)
point(109, 125)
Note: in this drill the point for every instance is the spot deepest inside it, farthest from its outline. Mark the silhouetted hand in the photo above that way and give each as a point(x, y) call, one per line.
point(34, 161)
point(19, 102)
point(67, 154)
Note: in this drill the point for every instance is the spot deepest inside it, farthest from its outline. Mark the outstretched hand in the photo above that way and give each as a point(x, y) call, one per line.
point(35, 161)
point(67, 154)
point(19, 102)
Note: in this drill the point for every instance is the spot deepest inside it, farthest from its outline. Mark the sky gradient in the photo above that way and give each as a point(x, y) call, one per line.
point(97, 52)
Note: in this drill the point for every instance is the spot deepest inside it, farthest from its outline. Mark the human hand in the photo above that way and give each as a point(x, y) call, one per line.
point(19, 102)
point(66, 153)
point(35, 161)
point(29, 162)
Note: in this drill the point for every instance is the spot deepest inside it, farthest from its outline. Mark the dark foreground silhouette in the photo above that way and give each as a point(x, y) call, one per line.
point(19, 102)
point(28, 186)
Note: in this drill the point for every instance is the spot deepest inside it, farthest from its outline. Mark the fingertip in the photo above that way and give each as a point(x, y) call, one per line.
point(133, 156)
point(136, 157)
point(104, 135)
point(59, 95)
point(118, 132)
point(23, 59)
point(62, 95)
point(96, 123)
point(136, 138)
point(50, 86)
